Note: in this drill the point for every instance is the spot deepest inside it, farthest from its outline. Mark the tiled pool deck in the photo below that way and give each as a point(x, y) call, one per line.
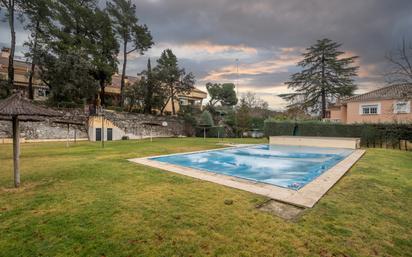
point(307, 196)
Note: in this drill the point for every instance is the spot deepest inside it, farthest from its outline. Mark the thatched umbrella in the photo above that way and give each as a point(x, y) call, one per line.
point(16, 109)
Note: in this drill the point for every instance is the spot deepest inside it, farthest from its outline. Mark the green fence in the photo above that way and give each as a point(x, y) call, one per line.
point(372, 135)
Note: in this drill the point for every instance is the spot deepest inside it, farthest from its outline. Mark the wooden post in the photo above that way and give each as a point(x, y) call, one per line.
point(16, 150)
point(151, 136)
point(67, 137)
point(102, 131)
point(75, 135)
point(204, 132)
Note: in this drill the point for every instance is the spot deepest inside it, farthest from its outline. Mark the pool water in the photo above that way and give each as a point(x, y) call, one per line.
point(285, 166)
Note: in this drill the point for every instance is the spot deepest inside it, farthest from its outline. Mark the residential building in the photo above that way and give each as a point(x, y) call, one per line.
point(21, 75)
point(391, 104)
point(112, 91)
point(194, 98)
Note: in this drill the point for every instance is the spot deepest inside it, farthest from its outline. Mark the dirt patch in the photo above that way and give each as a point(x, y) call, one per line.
point(283, 210)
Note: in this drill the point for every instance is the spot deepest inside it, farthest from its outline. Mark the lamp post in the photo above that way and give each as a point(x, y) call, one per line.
point(102, 129)
point(237, 91)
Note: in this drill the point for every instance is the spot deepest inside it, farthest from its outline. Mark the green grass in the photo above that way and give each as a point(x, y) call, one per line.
point(88, 201)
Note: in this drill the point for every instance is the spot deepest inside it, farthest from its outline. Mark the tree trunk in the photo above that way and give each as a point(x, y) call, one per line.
point(12, 46)
point(122, 82)
point(172, 98)
point(33, 63)
point(148, 104)
point(149, 96)
point(16, 150)
point(323, 92)
point(164, 106)
point(102, 92)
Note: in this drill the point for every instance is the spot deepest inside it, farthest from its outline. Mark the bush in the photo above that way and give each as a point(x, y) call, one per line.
point(213, 132)
point(370, 134)
point(206, 119)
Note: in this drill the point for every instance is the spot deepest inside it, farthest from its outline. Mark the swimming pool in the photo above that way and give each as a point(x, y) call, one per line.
point(289, 167)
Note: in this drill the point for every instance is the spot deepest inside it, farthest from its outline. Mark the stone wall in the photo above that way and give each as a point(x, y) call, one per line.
point(49, 128)
point(134, 126)
point(125, 124)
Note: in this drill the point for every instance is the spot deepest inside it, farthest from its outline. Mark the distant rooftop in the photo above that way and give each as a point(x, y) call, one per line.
point(390, 92)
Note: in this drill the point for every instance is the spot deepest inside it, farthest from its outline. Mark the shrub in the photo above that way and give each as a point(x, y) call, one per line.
point(213, 132)
point(370, 134)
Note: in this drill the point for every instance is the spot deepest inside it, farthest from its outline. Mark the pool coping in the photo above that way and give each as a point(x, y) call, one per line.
point(306, 197)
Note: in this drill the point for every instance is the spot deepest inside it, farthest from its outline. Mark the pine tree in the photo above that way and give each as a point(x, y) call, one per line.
point(243, 116)
point(325, 75)
point(205, 121)
point(38, 16)
point(154, 95)
point(105, 51)
point(134, 37)
point(174, 78)
point(80, 53)
point(221, 93)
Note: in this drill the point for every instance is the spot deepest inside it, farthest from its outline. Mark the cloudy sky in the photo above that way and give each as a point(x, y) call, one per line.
point(268, 37)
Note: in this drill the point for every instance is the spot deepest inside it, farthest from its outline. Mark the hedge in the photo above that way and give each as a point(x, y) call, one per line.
point(376, 135)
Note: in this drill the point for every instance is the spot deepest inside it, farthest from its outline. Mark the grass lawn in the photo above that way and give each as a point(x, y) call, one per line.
point(88, 201)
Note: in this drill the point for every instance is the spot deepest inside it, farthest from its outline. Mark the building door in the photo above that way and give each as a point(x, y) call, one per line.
point(109, 134)
point(98, 134)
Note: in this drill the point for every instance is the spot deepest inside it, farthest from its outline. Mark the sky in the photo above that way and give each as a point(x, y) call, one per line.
point(267, 37)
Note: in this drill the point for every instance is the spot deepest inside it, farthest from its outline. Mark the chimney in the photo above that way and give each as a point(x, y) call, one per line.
point(5, 52)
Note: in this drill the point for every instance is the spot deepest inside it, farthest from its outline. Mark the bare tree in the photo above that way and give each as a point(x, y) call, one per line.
point(400, 64)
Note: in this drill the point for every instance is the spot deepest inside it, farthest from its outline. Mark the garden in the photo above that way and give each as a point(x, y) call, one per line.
point(88, 201)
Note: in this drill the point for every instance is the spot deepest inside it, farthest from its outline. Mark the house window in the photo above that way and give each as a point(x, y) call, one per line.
point(183, 101)
point(42, 92)
point(370, 109)
point(402, 107)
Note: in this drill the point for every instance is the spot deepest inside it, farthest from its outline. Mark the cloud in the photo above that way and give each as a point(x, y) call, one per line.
point(267, 36)
point(200, 50)
point(280, 63)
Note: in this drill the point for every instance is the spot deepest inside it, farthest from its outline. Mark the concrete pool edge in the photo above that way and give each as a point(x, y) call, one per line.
point(306, 197)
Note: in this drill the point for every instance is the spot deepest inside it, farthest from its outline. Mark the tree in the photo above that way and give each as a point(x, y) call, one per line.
point(175, 79)
point(205, 121)
point(134, 93)
point(243, 116)
point(10, 6)
point(133, 36)
point(253, 101)
point(400, 61)
point(221, 93)
point(69, 78)
point(147, 93)
point(153, 93)
point(78, 53)
point(38, 14)
point(325, 75)
point(4, 92)
point(105, 51)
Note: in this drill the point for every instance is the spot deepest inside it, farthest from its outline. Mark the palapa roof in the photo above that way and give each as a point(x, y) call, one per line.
point(399, 91)
point(17, 105)
point(24, 118)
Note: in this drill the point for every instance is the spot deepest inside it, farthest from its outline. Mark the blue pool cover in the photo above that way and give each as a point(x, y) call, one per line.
point(285, 166)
